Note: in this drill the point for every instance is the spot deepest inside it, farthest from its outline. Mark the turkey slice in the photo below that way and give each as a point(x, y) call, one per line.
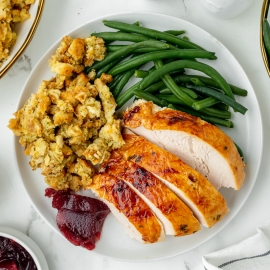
point(201, 145)
point(128, 208)
point(191, 187)
point(176, 217)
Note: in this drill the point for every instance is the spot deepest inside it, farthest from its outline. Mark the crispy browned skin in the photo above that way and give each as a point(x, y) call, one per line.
point(154, 190)
point(130, 204)
point(196, 188)
point(168, 119)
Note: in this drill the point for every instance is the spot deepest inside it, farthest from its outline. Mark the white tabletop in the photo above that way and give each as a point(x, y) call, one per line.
point(240, 35)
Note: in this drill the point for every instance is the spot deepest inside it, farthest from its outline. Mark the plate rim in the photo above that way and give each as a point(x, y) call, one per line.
point(264, 12)
point(221, 227)
point(28, 39)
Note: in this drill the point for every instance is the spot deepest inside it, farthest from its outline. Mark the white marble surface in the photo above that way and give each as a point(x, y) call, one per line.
point(240, 35)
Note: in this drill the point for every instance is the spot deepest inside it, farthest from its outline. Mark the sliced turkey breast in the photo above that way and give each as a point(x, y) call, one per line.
point(201, 145)
point(176, 217)
point(128, 208)
point(190, 186)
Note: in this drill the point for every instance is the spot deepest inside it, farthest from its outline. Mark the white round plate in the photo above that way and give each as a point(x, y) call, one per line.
point(247, 133)
point(28, 244)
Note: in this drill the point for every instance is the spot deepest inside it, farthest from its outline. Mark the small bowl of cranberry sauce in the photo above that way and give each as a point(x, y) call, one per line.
point(19, 252)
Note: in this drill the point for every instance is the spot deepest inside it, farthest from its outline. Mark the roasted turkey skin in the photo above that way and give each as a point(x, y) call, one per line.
point(176, 217)
point(190, 186)
point(201, 145)
point(128, 208)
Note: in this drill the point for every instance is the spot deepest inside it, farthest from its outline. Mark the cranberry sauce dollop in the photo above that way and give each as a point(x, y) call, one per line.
point(80, 219)
point(14, 257)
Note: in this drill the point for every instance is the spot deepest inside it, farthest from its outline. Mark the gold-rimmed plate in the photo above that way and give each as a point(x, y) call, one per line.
point(264, 15)
point(114, 242)
point(25, 32)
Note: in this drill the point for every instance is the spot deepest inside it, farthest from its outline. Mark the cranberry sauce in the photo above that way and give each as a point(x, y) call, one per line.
point(79, 218)
point(14, 257)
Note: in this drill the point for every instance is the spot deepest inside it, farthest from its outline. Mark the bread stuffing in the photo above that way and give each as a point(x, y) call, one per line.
point(73, 55)
point(68, 125)
point(11, 12)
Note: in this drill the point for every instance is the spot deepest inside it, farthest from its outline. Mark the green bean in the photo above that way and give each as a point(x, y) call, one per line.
point(188, 111)
point(160, 85)
point(216, 113)
point(109, 42)
point(123, 81)
point(115, 81)
point(187, 91)
point(175, 32)
point(222, 106)
point(188, 64)
point(185, 98)
point(152, 33)
point(208, 111)
point(171, 106)
point(184, 89)
point(127, 95)
point(186, 38)
point(113, 48)
point(217, 121)
point(225, 99)
point(266, 36)
point(197, 81)
point(204, 103)
point(210, 82)
point(148, 50)
point(141, 73)
point(124, 78)
point(169, 82)
point(155, 87)
point(137, 23)
point(155, 83)
point(150, 97)
point(212, 120)
point(239, 150)
point(165, 91)
point(122, 99)
point(170, 98)
point(145, 73)
point(147, 57)
point(122, 36)
point(100, 71)
point(105, 68)
point(184, 78)
point(128, 50)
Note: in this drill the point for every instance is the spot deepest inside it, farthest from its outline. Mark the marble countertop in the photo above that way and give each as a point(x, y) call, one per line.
point(240, 35)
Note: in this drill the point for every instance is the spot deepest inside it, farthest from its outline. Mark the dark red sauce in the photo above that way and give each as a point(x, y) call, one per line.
point(80, 219)
point(14, 257)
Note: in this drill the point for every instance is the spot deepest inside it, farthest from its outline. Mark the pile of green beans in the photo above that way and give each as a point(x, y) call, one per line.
point(165, 82)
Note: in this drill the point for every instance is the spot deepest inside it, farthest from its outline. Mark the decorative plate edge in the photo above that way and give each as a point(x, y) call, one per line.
point(28, 38)
point(264, 13)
